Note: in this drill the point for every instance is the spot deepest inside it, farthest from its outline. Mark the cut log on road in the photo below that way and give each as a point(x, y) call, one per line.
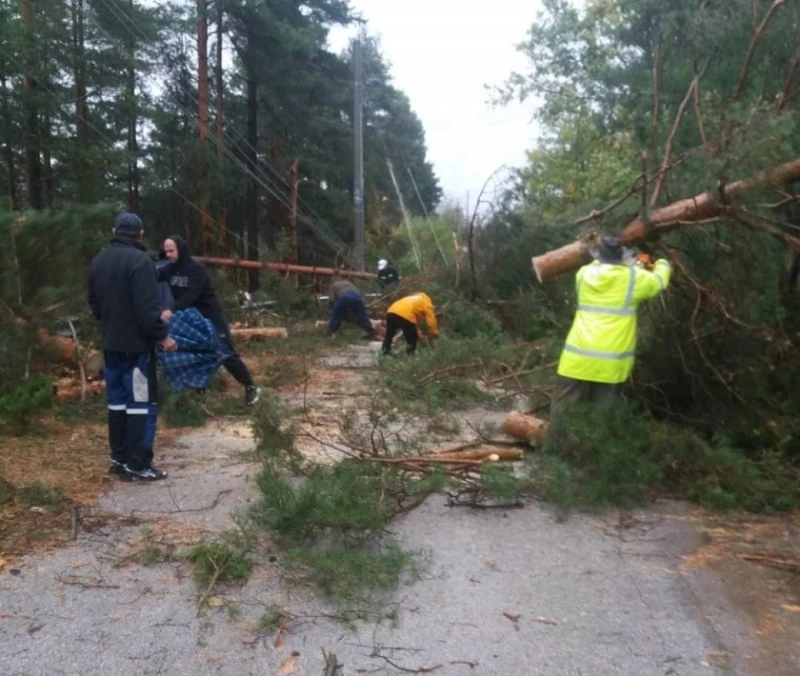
point(67, 388)
point(493, 454)
point(527, 428)
point(377, 324)
point(259, 333)
point(64, 350)
point(685, 212)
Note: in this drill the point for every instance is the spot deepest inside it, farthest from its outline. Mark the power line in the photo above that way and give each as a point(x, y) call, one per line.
point(327, 235)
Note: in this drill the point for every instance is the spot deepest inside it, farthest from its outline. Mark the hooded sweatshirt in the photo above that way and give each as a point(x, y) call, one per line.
point(190, 284)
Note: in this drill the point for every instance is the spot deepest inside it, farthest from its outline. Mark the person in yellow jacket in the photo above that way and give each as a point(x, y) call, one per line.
point(599, 352)
point(404, 314)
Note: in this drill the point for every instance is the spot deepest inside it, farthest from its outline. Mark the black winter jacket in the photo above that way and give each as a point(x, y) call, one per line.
point(123, 297)
point(190, 284)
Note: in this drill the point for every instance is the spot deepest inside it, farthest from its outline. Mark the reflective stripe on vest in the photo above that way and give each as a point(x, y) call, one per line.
point(597, 354)
point(598, 309)
point(626, 310)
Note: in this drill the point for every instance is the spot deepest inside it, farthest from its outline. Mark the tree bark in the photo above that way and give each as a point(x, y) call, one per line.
point(245, 335)
point(48, 188)
point(283, 267)
point(252, 211)
point(133, 144)
point(8, 150)
point(682, 213)
point(293, 186)
point(79, 74)
point(222, 219)
point(33, 160)
point(202, 119)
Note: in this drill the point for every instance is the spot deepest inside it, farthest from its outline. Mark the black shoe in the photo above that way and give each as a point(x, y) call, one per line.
point(116, 467)
point(252, 395)
point(147, 474)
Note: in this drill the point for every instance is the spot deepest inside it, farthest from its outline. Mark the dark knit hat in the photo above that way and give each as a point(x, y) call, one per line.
point(128, 222)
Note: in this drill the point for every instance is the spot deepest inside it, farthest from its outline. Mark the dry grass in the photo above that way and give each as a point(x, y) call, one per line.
point(67, 456)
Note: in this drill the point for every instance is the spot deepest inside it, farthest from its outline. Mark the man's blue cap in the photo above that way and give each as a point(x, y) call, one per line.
point(128, 222)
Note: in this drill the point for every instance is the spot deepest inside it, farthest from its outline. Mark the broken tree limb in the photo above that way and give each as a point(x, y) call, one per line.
point(526, 428)
point(678, 214)
point(261, 332)
point(770, 561)
point(283, 267)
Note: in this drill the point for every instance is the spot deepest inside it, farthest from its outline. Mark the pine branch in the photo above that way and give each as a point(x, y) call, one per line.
point(757, 35)
point(662, 172)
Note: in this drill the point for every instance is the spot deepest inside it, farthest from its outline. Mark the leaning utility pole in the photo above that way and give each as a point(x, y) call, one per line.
point(358, 154)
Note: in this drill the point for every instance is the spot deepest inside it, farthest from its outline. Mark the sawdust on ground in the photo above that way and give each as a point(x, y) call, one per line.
point(768, 593)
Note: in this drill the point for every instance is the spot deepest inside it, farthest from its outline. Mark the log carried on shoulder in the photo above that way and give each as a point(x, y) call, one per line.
point(682, 213)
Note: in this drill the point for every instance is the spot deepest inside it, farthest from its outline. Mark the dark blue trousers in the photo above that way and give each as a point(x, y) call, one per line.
point(347, 303)
point(132, 406)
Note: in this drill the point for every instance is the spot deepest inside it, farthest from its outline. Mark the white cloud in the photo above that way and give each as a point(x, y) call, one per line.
point(442, 53)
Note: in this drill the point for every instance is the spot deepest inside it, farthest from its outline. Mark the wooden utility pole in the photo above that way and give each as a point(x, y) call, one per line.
point(202, 119)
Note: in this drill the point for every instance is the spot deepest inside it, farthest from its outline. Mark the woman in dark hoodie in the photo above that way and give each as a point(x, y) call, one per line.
point(191, 287)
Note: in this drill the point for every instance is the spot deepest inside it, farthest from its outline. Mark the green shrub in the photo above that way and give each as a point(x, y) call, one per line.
point(226, 558)
point(19, 405)
point(619, 456)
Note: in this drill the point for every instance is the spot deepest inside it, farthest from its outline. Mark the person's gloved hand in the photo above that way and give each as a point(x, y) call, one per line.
point(644, 260)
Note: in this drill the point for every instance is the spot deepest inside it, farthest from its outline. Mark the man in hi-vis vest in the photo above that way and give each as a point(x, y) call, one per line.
point(600, 349)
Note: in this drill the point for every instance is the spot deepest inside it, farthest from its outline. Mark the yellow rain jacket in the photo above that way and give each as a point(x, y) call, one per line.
point(601, 344)
point(415, 308)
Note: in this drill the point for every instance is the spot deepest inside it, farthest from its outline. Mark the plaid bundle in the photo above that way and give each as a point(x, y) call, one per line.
point(200, 351)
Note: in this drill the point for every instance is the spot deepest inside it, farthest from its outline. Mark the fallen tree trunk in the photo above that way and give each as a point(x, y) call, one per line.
point(261, 332)
point(682, 213)
point(526, 428)
point(284, 267)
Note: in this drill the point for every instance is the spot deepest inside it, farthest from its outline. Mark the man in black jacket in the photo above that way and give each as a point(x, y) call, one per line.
point(191, 287)
point(124, 298)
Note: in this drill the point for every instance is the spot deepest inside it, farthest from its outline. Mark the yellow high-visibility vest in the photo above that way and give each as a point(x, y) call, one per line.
point(601, 345)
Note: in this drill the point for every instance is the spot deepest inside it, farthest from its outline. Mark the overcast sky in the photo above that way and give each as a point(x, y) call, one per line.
point(442, 53)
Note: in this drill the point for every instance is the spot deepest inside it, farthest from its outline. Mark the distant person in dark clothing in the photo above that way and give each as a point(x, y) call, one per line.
point(346, 299)
point(123, 296)
point(387, 274)
point(191, 287)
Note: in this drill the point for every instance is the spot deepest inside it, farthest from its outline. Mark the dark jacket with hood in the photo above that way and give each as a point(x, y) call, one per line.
point(190, 284)
point(123, 297)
